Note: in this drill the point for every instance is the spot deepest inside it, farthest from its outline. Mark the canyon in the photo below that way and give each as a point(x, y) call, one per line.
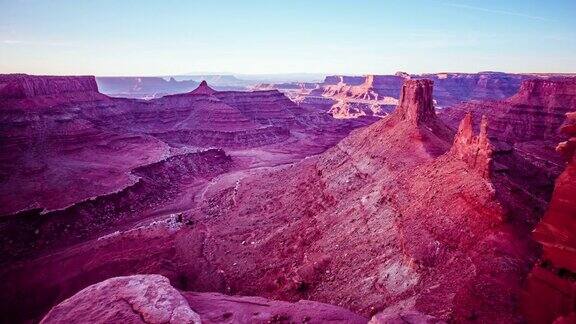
point(389, 199)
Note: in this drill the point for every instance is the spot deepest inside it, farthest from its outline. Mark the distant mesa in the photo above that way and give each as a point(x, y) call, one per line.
point(21, 86)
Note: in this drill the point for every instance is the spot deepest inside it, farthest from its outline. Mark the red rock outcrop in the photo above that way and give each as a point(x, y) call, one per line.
point(416, 104)
point(553, 94)
point(151, 299)
point(553, 281)
point(476, 151)
point(134, 299)
point(535, 112)
point(203, 89)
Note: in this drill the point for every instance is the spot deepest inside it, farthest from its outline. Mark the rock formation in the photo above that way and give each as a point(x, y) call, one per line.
point(151, 299)
point(476, 151)
point(524, 130)
point(203, 89)
point(21, 86)
point(376, 95)
point(553, 280)
point(416, 104)
point(535, 112)
point(134, 299)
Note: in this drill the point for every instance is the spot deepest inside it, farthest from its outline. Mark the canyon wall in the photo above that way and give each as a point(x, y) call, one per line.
point(553, 281)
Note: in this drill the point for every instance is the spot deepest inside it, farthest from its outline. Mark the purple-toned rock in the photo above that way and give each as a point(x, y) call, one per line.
point(135, 299)
point(220, 308)
point(20, 86)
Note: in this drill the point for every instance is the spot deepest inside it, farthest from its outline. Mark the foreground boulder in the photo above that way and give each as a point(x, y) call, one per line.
point(133, 299)
point(151, 299)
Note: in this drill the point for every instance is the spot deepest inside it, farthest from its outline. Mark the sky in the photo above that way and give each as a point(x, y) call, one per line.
point(171, 37)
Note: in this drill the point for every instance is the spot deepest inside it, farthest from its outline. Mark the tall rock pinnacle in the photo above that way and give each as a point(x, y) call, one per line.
point(416, 104)
point(476, 151)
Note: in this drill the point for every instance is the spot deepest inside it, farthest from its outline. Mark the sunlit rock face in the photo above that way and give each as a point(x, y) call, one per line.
point(553, 280)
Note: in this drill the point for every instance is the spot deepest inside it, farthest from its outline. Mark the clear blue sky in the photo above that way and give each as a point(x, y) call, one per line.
point(116, 37)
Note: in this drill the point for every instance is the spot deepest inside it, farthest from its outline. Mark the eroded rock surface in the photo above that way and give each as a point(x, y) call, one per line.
point(151, 299)
point(134, 299)
point(476, 151)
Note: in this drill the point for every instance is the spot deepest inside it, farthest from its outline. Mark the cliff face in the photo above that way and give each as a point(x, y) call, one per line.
point(557, 231)
point(553, 280)
point(453, 88)
point(20, 86)
point(525, 131)
point(535, 112)
point(553, 94)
